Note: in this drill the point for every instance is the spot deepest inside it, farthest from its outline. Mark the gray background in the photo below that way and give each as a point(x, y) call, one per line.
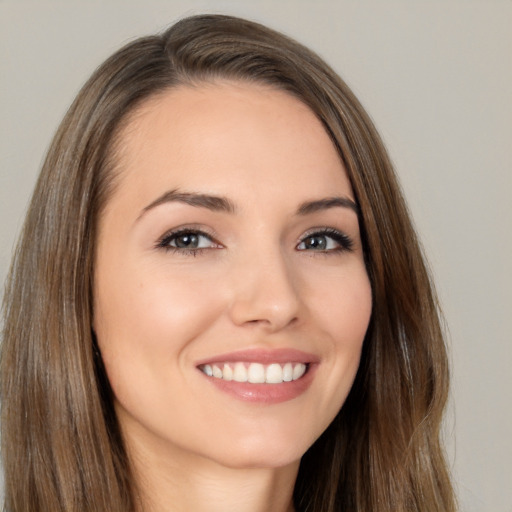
point(435, 76)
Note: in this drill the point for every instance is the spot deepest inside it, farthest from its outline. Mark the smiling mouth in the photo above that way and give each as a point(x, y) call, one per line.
point(255, 373)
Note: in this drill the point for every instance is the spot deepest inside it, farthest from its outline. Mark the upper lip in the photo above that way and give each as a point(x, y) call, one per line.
point(263, 356)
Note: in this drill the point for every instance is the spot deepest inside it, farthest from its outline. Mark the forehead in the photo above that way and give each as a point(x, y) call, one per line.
point(227, 137)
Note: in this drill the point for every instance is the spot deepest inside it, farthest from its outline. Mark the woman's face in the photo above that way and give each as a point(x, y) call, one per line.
point(231, 296)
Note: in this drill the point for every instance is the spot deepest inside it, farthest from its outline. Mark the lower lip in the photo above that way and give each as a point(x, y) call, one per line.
point(265, 393)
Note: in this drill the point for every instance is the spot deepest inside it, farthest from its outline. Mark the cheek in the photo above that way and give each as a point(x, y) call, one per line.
point(353, 313)
point(343, 313)
point(342, 303)
point(147, 321)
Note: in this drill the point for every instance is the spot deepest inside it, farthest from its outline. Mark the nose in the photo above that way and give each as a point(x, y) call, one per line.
point(265, 293)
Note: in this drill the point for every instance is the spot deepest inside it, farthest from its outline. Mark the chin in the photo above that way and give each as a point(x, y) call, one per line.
point(260, 461)
point(269, 451)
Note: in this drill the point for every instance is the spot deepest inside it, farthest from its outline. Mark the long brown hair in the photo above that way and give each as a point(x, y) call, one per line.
point(61, 445)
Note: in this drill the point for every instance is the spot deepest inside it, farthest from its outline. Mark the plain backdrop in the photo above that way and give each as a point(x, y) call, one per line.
point(435, 76)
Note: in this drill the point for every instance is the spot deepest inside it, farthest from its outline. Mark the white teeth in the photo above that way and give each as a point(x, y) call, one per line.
point(227, 372)
point(298, 371)
point(274, 374)
point(239, 373)
point(288, 372)
point(256, 373)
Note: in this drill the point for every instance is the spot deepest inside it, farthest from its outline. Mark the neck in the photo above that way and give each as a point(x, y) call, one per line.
point(187, 482)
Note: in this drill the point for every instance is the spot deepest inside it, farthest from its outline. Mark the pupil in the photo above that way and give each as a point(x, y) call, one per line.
point(187, 240)
point(316, 242)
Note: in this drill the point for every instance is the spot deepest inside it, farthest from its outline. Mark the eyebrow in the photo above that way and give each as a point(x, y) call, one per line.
point(223, 204)
point(213, 203)
point(327, 203)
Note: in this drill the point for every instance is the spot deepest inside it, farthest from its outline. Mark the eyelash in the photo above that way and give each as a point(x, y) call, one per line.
point(345, 243)
point(170, 236)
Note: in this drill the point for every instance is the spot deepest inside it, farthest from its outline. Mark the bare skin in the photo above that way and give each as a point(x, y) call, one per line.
point(213, 488)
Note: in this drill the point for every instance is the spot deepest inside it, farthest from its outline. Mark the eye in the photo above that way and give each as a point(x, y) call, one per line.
point(326, 240)
point(187, 241)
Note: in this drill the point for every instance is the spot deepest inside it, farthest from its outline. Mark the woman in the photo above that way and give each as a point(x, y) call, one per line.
point(218, 301)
